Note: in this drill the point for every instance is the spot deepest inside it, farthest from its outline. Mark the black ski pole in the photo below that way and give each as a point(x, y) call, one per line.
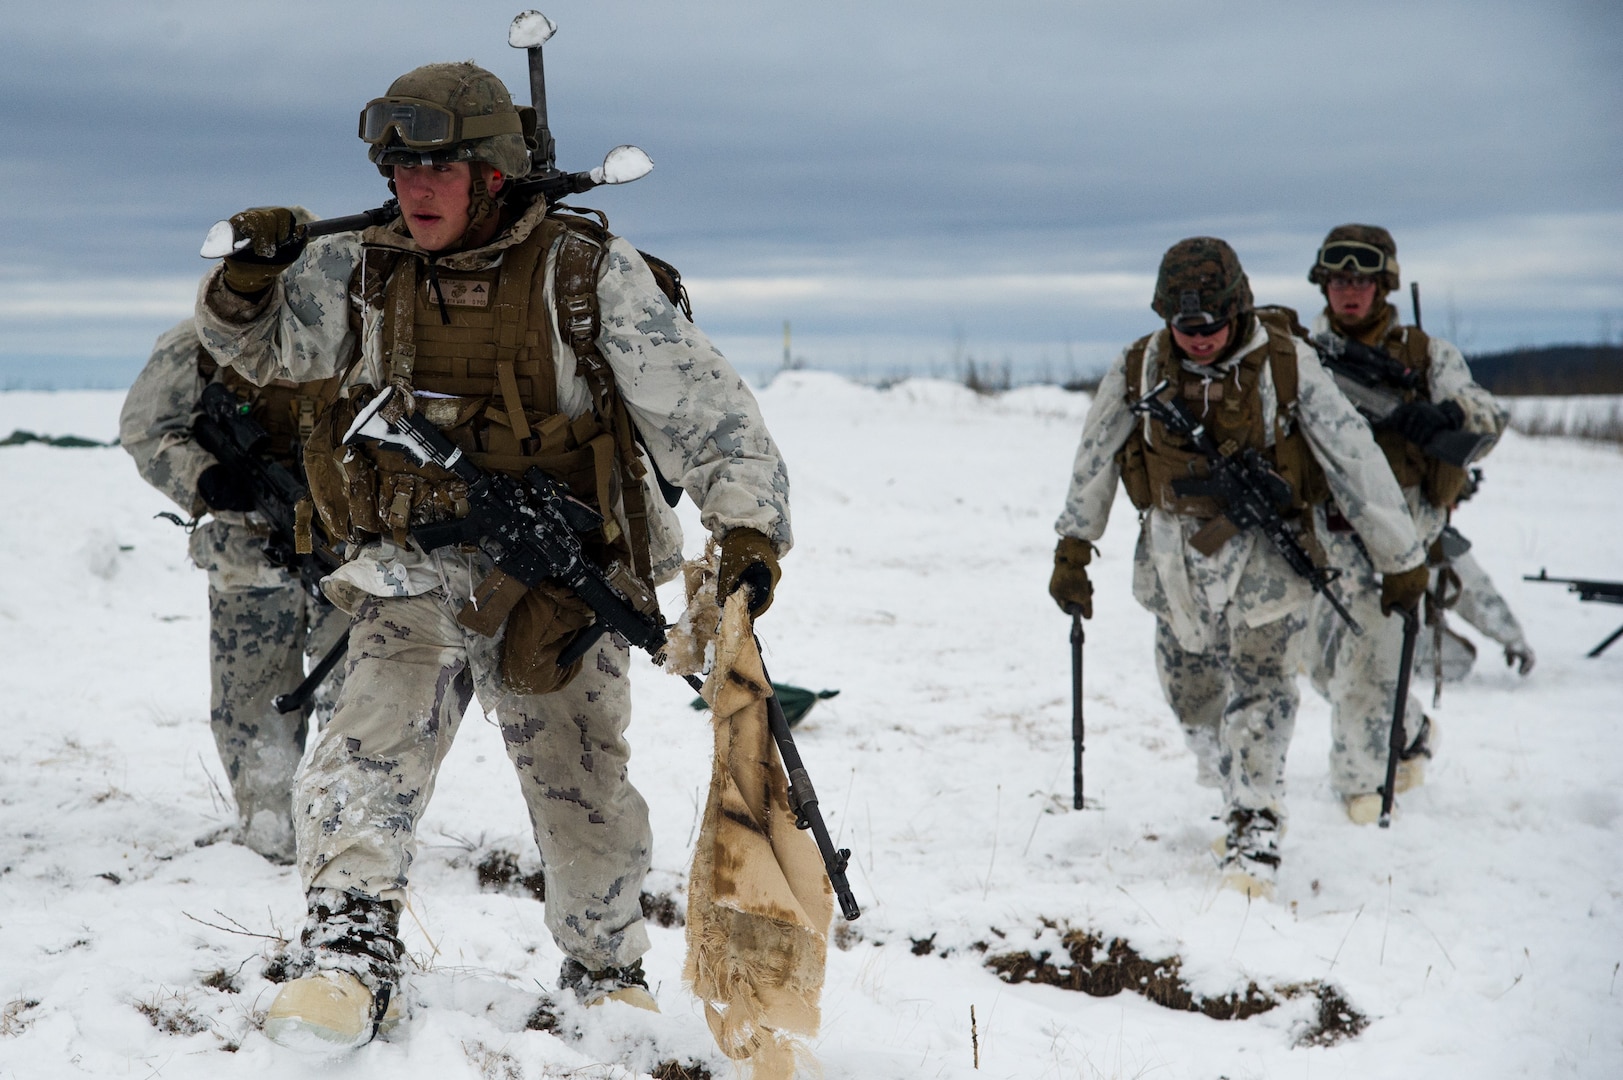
point(1397, 742)
point(1077, 728)
point(300, 695)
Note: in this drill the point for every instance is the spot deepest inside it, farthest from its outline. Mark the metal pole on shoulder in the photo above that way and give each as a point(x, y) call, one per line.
point(1397, 741)
point(1077, 727)
point(529, 31)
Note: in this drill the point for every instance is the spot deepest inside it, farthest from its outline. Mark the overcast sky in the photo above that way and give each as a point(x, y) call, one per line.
point(906, 182)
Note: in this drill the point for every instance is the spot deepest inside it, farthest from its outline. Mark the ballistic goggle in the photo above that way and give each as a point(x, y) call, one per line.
point(1352, 256)
point(423, 125)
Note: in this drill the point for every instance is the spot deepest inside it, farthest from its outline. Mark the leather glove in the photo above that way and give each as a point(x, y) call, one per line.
point(1404, 589)
point(1069, 586)
point(1519, 655)
point(747, 559)
point(221, 488)
point(1422, 421)
point(272, 247)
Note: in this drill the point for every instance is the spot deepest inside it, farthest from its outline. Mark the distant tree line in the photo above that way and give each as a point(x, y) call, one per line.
point(1551, 370)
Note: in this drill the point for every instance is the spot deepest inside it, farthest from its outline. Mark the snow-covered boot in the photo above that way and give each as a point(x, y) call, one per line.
point(627, 984)
point(1250, 861)
point(349, 968)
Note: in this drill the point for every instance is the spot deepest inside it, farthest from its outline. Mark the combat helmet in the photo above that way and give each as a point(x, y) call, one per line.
point(1201, 283)
point(1368, 250)
point(442, 113)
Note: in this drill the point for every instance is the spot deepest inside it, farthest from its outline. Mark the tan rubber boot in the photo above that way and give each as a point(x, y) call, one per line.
point(1365, 809)
point(330, 1010)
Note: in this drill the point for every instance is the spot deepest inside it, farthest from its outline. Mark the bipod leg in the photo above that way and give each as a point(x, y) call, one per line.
point(300, 695)
point(1397, 741)
point(1598, 649)
point(1078, 730)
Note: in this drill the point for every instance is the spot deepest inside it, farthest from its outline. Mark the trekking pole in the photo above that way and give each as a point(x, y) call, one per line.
point(300, 695)
point(1434, 608)
point(1397, 742)
point(1077, 728)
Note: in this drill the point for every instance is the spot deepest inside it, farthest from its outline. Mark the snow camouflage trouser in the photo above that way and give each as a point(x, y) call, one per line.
point(413, 670)
point(1358, 675)
point(262, 627)
point(1237, 707)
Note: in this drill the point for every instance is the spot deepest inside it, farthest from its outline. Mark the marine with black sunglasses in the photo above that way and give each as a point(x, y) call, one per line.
point(1227, 603)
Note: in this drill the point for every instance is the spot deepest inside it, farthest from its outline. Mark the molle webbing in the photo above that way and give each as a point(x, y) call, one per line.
point(1231, 408)
point(286, 410)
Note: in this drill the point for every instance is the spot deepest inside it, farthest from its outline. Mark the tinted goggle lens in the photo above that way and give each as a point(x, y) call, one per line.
point(1187, 325)
point(414, 124)
point(1353, 256)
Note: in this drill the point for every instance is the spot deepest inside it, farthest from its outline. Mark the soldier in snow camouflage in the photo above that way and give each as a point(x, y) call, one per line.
point(531, 337)
point(1355, 268)
point(1226, 607)
point(262, 624)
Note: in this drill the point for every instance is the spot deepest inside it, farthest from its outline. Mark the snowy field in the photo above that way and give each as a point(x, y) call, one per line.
point(1481, 936)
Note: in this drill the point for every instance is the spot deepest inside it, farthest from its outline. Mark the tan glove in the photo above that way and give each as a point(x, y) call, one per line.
point(1404, 589)
point(1069, 586)
point(747, 558)
point(271, 249)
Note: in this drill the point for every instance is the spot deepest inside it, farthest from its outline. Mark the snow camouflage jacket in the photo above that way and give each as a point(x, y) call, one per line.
point(1246, 580)
point(701, 425)
point(155, 427)
point(1448, 378)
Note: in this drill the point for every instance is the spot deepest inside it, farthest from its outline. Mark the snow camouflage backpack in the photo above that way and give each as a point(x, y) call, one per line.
point(478, 345)
point(1231, 408)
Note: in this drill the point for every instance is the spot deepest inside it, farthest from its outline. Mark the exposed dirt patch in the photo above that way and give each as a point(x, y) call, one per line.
point(676, 1070)
point(1103, 969)
point(222, 980)
point(172, 1014)
point(661, 909)
point(499, 871)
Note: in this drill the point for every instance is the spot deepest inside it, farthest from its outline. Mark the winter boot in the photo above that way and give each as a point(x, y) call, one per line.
point(1250, 862)
point(627, 984)
point(349, 971)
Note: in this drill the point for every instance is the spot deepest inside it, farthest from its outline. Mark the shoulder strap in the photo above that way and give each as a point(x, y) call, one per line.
point(580, 318)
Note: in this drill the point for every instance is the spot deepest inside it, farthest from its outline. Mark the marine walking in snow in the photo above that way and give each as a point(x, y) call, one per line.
point(263, 623)
point(1431, 421)
point(1225, 595)
point(531, 338)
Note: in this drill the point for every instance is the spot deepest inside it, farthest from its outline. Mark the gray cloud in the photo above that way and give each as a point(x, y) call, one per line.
point(883, 173)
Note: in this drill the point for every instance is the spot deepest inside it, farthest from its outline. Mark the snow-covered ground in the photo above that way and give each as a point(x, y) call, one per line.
point(1481, 935)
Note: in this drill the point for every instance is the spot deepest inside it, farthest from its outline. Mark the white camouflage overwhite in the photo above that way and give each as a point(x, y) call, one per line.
point(1224, 619)
point(372, 773)
point(1358, 675)
point(262, 624)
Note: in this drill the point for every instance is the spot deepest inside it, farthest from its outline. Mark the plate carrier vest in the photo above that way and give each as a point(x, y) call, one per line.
point(1231, 409)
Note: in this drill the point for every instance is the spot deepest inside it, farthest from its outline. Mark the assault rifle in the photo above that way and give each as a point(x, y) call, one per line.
point(1605, 592)
point(224, 428)
point(529, 31)
point(1375, 383)
point(1248, 490)
point(531, 530)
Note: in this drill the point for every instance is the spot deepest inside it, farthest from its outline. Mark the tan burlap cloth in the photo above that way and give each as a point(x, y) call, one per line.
point(759, 903)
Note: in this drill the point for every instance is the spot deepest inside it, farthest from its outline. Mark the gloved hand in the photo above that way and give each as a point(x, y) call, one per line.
point(1422, 421)
point(747, 559)
point(271, 249)
point(1404, 589)
point(221, 488)
point(1519, 655)
point(1069, 585)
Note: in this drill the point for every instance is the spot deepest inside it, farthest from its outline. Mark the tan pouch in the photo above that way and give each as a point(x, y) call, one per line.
point(545, 620)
